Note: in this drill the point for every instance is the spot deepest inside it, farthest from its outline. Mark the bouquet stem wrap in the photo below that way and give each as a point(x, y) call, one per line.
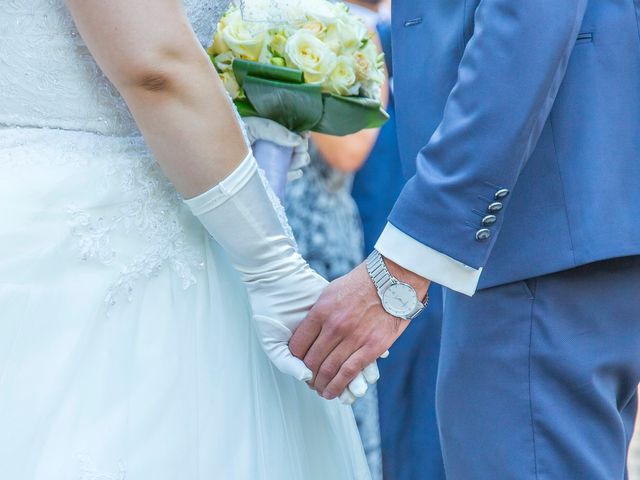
point(275, 160)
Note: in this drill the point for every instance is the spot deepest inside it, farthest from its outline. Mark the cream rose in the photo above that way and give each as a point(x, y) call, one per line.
point(366, 61)
point(244, 39)
point(230, 84)
point(342, 80)
point(218, 46)
point(316, 27)
point(308, 53)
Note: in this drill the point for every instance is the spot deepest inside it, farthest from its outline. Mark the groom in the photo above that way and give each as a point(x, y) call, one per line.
point(524, 118)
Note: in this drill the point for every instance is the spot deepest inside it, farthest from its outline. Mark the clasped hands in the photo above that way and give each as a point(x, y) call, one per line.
point(329, 337)
point(347, 331)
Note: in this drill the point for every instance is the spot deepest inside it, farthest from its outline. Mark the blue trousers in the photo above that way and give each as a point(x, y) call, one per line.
point(406, 397)
point(538, 379)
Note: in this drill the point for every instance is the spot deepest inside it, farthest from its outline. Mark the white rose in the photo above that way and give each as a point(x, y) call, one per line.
point(244, 39)
point(342, 80)
point(372, 90)
point(346, 35)
point(308, 53)
point(315, 10)
point(340, 9)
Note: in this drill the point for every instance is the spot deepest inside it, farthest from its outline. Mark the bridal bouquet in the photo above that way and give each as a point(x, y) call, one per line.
point(317, 71)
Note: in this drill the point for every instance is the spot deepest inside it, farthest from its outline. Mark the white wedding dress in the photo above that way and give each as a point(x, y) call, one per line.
point(127, 351)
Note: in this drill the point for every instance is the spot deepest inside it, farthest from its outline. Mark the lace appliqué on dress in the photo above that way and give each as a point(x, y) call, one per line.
point(92, 235)
point(151, 213)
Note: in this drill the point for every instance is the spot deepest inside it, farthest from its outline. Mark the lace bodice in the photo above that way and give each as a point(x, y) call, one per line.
point(48, 77)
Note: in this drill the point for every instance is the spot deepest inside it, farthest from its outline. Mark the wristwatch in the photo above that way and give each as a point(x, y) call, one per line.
point(398, 298)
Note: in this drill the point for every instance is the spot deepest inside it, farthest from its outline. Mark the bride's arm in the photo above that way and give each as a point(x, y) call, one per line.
point(149, 51)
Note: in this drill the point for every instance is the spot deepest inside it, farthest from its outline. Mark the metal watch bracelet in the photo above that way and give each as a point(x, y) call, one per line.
point(382, 279)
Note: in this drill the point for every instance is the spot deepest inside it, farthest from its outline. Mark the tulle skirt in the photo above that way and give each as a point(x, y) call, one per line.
point(126, 345)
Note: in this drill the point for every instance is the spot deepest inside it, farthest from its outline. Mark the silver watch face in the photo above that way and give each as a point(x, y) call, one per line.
point(400, 300)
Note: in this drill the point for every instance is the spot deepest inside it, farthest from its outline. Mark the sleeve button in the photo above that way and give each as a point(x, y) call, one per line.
point(489, 220)
point(502, 193)
point(483, 234)
point(495, 207)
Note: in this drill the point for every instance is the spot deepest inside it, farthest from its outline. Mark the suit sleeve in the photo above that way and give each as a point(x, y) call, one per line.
point(508, 78)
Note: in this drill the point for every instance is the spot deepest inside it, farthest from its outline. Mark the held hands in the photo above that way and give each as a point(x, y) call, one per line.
point(282, 288)
point(279, 308)
point(348, 329)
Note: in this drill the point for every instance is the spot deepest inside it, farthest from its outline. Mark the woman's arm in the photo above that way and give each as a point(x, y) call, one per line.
point(149, 51)
point(349, 153)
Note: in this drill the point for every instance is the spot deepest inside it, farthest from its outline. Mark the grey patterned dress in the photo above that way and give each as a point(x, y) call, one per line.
point(327, 227)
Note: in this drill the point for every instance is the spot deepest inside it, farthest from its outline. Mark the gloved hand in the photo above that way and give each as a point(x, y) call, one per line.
point(282, 287)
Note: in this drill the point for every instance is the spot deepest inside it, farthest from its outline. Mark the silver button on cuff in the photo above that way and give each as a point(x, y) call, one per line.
point(495, 207)
point(483, 234)
point(489, 220)
point(502, 193)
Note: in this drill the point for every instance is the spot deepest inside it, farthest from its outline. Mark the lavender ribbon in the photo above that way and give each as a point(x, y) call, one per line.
point(275, 160)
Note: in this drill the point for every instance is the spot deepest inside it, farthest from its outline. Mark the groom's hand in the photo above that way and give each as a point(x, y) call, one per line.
point(348, 329)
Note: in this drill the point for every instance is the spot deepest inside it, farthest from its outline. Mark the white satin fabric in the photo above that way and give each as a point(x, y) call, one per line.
point(127, 350)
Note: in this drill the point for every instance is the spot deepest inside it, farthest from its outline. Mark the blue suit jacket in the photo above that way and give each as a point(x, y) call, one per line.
point(539, 97)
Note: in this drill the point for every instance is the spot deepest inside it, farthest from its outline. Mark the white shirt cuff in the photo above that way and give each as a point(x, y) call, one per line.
point(407, 252)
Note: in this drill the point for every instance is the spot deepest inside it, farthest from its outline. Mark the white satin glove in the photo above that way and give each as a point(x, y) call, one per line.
point(282, 288)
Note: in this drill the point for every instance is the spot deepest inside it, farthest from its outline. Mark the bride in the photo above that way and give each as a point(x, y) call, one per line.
point(127, 344)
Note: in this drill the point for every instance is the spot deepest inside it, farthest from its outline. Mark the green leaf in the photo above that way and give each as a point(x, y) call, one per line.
point(298, 107)
point(244, 68)
point(280, 94)
point(245, 109)
point(347, 115)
